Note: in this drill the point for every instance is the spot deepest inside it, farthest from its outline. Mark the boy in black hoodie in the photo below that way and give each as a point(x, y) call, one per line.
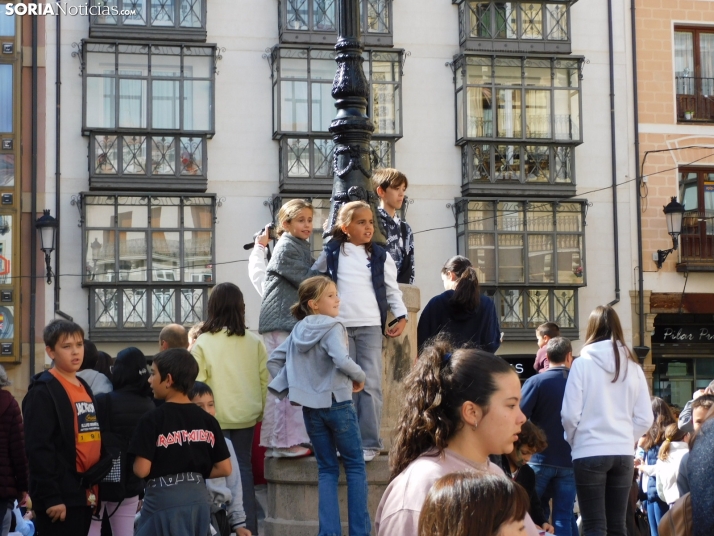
point(62, 436)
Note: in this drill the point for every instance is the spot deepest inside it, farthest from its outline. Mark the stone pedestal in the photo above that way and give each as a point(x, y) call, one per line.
point(293, 498)
point(292, 484)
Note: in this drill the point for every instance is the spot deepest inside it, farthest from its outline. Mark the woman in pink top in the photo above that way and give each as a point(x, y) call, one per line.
point(460, 407)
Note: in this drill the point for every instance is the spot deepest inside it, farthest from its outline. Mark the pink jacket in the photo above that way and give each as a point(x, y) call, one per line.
point(399, 509)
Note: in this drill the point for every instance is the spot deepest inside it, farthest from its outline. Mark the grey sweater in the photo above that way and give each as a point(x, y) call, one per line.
point(288, 267)
point(313, 364)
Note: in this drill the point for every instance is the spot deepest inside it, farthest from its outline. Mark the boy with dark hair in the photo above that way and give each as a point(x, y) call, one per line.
point(177, 447)
point(544, 333)
point(541, 401)
point(62, 436)
point(390, 186)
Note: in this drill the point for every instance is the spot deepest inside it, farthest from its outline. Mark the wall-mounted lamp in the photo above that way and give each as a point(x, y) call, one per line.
point(47, 227)
point(673, 212)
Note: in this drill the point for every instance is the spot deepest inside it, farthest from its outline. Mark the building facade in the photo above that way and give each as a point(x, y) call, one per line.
point(675, 71)
point(186, 124)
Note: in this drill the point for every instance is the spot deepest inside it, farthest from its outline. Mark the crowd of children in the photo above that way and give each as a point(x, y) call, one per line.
point(168, 450)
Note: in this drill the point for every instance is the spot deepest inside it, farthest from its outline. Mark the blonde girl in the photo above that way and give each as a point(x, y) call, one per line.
point(366, 277)
point(669, 459)
point(283, 431)
point(314, 369)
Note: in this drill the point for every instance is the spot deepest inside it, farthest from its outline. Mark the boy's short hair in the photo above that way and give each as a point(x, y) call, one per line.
point(557, 350)
point(200, 389)
point(549, 329)
point(704, 401)
point(531, 436)
point(389, 178)
point(182, 366)
point(61, 329)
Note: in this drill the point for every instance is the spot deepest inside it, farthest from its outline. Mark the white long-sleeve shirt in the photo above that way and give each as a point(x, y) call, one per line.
point(602, 418)
point(358, 301)
point(257, 267)
point(667, 472)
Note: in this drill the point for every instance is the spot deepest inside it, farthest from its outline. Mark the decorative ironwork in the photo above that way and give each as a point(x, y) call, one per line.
point(538, 308)
point(78, 54)
point(76, 201)
point(218, 57)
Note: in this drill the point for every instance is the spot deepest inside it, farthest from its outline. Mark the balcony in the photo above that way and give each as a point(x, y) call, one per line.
point(697, 241)
point(695, 99)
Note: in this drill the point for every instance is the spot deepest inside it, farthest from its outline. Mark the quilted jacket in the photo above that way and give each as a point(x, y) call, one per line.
point(288, 267)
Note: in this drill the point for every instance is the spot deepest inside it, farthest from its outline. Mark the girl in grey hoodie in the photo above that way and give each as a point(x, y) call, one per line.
point(313, 368)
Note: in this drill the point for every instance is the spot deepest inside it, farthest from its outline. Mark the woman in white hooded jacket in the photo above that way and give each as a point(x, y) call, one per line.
point(606, 408)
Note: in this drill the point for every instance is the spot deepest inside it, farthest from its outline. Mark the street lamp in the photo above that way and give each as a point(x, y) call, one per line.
point(96, 248)
point(47, 227)
point(673, 212)
point(351, 128)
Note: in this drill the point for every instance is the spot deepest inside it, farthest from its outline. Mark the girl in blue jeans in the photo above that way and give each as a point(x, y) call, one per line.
point(367, 278)
point(313, 367)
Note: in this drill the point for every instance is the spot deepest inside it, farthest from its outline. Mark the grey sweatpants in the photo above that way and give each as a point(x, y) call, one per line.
point(366, 351)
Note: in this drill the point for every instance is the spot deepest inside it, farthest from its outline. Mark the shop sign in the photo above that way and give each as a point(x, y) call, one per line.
point(684, 334)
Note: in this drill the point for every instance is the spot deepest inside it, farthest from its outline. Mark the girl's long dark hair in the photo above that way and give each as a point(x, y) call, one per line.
point(226, 309)
point(472, 504)
point(663, 417)
point(440, 382)
point(604, 325)
point(467, 294)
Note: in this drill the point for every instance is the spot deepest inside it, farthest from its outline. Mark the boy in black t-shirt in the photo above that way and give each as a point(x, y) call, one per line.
point(177, 446)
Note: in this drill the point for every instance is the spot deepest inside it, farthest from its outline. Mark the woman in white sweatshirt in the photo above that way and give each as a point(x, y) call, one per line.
point(606, 408)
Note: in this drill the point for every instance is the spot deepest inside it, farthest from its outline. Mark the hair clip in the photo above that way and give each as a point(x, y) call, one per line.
point(447, 357)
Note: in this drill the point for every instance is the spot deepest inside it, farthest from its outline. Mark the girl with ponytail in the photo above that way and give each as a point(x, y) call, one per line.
point(460, 407)
point(669, 459)
point(461, 312)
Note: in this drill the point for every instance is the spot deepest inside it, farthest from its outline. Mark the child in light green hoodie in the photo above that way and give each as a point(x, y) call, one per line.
point(232, 361)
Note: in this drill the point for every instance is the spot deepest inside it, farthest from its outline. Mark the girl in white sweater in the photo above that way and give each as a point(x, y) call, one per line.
point(366, 279)
point(675, 446)
point(606, 408)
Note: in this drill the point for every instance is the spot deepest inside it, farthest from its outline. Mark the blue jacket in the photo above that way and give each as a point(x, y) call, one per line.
point(313, 366)
point(378, 258)
point(541, 401)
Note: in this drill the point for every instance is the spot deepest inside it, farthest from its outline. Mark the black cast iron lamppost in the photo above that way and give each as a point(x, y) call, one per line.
point(47, 226)
point(351, 128)
point(674, 212)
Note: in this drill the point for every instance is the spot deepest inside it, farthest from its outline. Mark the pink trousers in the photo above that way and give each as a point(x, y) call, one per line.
point(283, 425)
point(121, 520)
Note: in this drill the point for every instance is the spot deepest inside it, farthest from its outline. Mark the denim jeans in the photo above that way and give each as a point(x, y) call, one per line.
point(332, 429)
point(242, 440)
point(603, 484)
point(560, 484)
point(655, 510)
point(366, 351)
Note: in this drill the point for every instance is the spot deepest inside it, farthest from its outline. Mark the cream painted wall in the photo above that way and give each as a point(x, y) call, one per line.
point(243, 159)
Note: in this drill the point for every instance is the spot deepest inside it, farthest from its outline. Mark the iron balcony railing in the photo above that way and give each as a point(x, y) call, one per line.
point(697, 240)
point(695, 99)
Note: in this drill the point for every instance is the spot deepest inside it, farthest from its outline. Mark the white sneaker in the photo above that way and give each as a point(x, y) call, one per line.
point(292, 452)
point(370, 455)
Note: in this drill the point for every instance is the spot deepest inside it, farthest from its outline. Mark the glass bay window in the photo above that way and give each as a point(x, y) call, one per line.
point(303, 108)
point(148, 87)
point(530, 27)
point(509, 98)
point(315, 21)
point(529, 256)
point(156, 19)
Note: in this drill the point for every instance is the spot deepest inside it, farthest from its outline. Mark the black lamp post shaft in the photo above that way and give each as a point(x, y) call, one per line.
point(351, 129)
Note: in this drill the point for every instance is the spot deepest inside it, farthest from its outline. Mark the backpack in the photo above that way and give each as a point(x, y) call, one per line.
point(678, 520)
point(112, 487)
